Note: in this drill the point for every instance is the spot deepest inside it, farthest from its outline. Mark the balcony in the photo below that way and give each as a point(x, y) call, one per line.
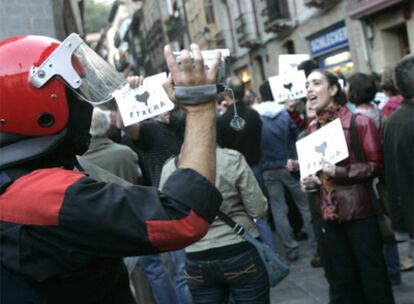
point(278, 17)
point(321, 4)
point(220, 40)
point(245, 31)
point(358, 9)
point(174, 26)
point(279, 26)
point(154, 37)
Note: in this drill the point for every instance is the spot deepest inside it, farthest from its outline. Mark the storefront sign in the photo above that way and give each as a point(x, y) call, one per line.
point(329, 40)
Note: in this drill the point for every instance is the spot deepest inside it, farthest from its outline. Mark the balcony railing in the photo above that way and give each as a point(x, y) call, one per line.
point(174, 26)
point(154, 35)
point(362, 8)
point(278, 17)
point(279, 26)
point(277, 9)
point(245, 31)
point(220, 40)
point(322, 4)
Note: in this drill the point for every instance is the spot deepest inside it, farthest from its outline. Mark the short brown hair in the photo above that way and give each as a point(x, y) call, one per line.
point(387, 82)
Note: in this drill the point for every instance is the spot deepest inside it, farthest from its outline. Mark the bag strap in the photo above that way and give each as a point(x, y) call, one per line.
point(354, 140)
point(237, 228)
point(360, 158)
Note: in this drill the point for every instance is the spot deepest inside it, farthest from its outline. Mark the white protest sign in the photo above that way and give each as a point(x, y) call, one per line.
point(328, 142)
point(209, 56)
point(289, 62)
point(288, 86)
point(148, 100)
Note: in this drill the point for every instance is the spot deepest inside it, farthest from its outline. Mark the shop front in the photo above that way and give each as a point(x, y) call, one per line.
point(245, 76)
point(330, 48)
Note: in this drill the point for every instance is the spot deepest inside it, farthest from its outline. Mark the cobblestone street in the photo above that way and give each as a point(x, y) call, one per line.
point(307, 285)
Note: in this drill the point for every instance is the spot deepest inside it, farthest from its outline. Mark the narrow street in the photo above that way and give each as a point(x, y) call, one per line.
point(307, 285)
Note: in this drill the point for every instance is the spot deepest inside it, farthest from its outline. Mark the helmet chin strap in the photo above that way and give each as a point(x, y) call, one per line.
point(81, 143)
point(80, 116)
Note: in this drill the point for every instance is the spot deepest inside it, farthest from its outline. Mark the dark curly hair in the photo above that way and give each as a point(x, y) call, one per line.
point(362, 88)
point(404, 76)
point(332, 79)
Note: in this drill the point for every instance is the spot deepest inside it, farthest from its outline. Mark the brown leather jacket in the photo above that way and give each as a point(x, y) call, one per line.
point(351, 176)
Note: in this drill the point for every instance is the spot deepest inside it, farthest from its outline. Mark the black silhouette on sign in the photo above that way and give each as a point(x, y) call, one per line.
point(142, 97)
point(321, 148)
point(288, 86)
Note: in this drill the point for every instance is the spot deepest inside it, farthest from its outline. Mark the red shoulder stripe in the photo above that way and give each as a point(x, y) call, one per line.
point(36, 198)
point(176, 234)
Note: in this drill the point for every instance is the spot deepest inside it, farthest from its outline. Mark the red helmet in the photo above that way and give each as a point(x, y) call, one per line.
point(26, 110)
point(41, 82)
point(32, 120)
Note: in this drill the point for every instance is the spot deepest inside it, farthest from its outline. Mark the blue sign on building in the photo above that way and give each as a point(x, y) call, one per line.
point(329, 40)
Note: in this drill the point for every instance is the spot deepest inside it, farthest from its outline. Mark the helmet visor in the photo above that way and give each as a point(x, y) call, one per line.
point(87, 73)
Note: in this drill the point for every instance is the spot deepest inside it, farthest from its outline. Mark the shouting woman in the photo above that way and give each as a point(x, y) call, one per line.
point(352, 241)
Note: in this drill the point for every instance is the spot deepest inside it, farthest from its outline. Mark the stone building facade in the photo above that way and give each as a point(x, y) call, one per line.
point(151, 25)
point(54, 18)
point(346, 36)
point(342, 35)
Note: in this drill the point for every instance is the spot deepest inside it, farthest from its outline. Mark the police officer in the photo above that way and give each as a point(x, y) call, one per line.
point(62, 233)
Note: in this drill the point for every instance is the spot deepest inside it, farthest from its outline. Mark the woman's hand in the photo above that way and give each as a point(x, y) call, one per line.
point(292, 165)
point(328, 168)
point(310, 183)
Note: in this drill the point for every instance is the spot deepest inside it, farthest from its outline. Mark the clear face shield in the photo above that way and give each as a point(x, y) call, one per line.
point(88, 74)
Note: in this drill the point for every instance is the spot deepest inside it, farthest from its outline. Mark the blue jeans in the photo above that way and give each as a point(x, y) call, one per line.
point(392, 260)
point(242, 276)
point(261, 223)
point(277, 182)
point(265, 232)
point(158, 278)
point(181, 287)
point(163, 290)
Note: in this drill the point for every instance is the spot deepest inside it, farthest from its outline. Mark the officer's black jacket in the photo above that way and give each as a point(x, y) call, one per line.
point(65, 233)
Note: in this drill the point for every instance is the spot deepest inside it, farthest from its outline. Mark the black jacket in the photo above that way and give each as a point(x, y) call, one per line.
point(246, 141)
point(64, 233)
point(399, 166)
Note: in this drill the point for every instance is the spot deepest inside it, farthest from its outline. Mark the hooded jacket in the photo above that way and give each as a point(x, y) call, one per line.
point(278, 137)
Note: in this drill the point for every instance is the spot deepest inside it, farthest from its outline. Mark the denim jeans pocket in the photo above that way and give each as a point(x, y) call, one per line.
point(193, 273)
point(242, 267)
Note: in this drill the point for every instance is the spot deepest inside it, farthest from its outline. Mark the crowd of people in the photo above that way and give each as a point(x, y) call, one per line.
point(93, 211)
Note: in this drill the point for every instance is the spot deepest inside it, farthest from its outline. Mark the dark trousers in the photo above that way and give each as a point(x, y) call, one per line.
point(356, 267)
point(242, 276)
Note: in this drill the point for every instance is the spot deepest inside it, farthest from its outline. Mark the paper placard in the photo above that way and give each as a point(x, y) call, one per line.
point(146, 101)
point(328, 142)
point(209, 56)
point(289, 62)
point(288, 86)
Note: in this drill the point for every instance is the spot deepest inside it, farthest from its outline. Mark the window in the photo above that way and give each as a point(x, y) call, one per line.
point(277, 9)
point(290, 47)
point(209, 10)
